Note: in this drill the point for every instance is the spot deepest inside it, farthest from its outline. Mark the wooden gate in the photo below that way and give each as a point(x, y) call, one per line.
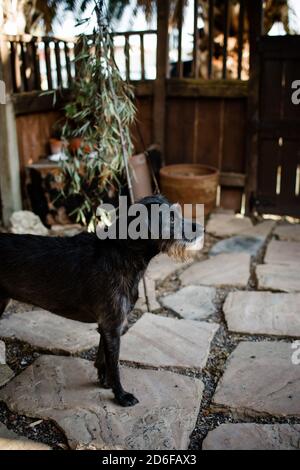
point(278, 127)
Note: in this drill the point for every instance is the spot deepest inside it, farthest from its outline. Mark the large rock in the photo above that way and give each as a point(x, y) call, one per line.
point(289, 232)
point(263, 313)
point(9, 440)
point(227, 225)
point(2, 353)
point(65, 390)
point(260, 379)
point(167, 342)
point(50, 332)
point(281, 252)
point(251, 436)
point(249, 241)
point(26, 222)
point(219, 271)
point(163, 266)
point(192, 302)
point(238, 244)
point(278, 278)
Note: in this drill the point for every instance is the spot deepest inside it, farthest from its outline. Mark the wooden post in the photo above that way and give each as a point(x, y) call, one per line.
point(162, 62)
point(255, 16)
point(9, 156)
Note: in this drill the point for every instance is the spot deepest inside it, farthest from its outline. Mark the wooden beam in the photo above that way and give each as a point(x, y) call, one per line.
point(255, 17)
point(232, 180)
point(36, 102)
point(159, 108)
point(9, 156)
point(190, 88)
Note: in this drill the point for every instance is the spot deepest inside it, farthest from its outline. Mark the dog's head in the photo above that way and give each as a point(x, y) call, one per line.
point(173, 234)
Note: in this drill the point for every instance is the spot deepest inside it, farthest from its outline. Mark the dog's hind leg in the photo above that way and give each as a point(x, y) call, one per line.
point(111, 342)
point(100, 365)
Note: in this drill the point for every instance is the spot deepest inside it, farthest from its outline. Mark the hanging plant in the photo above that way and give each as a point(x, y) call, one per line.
point(99, 117)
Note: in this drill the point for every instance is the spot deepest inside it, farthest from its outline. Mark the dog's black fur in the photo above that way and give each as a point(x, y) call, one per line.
point(85, 279)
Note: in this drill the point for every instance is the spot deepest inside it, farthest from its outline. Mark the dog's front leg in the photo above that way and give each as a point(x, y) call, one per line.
point(111, 342)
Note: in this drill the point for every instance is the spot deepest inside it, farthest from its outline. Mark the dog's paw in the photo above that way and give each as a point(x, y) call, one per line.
point(127, 399)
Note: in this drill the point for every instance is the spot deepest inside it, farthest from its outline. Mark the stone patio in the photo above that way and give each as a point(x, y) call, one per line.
point(223, 328)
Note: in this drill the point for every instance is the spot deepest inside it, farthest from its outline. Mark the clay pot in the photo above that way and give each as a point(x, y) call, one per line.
point(140, 176)
point(190, 184)
point(75, 144)
point(56, 146)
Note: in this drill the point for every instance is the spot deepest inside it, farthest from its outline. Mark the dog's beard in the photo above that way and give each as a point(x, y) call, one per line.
point(183, 250)
point(178, 250)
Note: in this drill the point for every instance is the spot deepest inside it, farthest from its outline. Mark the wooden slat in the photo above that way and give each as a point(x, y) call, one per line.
point(23, 67)
point(211, 36)
point(14, 66)
point(58, 63)
point(226, 33)
point(127, 57)
point(36, 65)
point(68, 64)
point(196, 41)
point(241, 37)
point(180, 25)
point(142, 43)
point(48, 65)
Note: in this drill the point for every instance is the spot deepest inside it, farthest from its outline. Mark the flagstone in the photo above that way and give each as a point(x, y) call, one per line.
point(227, 225)
point(278, 277)
point(289, 232)
point(6, 374)
point(260, 379)
point(238, 244)
point(263, 313)
point(219, 271)
point(192, 302)
point(251, 436)
point(158, 341)
point(141, 303)
point(163, 266)
point(65, 390)
point(50, 332)
point(283, 252)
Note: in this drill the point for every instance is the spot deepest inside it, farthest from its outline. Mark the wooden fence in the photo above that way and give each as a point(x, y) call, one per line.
point(193, 119)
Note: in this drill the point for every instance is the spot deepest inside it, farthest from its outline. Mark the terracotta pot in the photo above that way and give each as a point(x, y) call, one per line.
point(56, 146)
point(140, 176)
point(75, 144)
point(190, 184)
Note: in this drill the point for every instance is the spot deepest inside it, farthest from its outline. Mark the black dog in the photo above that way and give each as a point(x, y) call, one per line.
point(87, 279)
